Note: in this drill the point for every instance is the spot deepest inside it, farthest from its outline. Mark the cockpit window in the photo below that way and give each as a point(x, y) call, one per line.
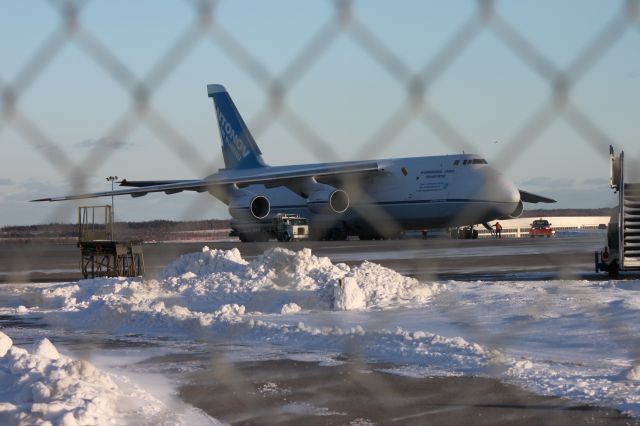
point(455, 163)
point(479, 161)
point(465, 162)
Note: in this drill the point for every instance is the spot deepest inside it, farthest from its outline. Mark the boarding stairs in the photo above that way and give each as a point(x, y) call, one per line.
point(630, 226)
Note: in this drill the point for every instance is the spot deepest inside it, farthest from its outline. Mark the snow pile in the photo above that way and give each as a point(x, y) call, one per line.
point(205, 263)
point(569, 338)
point(117, 304)
point(217, 288)
point(5, 344)
point(290, 308)
point(348, 295)
point(42, 386)
point(46, 386)
point(215, 273)
point(634, 373)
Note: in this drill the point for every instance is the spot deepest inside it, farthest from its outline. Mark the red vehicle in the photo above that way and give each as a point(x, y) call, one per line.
point(541, 228)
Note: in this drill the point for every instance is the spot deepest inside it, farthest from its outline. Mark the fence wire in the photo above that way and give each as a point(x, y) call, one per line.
point(418, 105)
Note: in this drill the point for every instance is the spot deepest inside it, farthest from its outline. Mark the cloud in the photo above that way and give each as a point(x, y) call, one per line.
point(31, 189)
point(6, 182)
point(596, 182)
point(104, 143)
point(548, 182)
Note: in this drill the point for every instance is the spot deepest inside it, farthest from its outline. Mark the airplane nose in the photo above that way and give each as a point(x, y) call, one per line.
point(501, 192)
point(497, 188)
point(506, 191)
point(507, 197)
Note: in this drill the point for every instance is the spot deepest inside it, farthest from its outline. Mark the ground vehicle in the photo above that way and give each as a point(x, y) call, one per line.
point(283, 227)
point(541, 228)
point(290, 227)
point(464, 233)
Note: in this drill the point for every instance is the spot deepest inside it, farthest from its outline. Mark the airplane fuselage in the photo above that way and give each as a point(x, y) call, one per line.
point(370, 198)
point(410, 193)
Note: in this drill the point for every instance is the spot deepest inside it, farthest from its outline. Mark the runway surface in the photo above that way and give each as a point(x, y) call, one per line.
point(565, 257)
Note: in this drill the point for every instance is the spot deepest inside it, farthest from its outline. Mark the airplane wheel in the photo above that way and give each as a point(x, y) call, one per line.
point(614, 269)
point(338, 235)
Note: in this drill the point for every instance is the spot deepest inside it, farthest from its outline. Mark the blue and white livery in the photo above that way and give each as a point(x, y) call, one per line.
point(371, 199)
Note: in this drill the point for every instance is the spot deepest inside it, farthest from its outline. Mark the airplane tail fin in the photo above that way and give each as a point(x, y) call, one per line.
point(239, 149)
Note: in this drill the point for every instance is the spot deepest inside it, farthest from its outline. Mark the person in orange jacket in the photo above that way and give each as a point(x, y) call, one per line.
point(498, 230)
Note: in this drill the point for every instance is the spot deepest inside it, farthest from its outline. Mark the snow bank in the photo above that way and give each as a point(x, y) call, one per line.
point(45, 386)
point(349, 295)
point(42, 386)
point(634, 373)
point(546, 336)
point(218, 287)
point(205, 263)
point(215, 272)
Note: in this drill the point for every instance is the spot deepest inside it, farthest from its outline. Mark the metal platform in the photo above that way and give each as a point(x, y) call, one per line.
point(100, 254)
point(622, 252)
point(107, 258)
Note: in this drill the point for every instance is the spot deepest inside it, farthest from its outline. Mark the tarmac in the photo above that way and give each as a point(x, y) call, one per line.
point(288, 392)
point(296, 392)
point(436, 258)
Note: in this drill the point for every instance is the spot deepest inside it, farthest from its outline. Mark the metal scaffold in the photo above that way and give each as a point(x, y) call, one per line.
point(100, 254)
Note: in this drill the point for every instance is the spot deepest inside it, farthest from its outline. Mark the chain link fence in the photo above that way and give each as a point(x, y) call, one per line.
point(416, 85)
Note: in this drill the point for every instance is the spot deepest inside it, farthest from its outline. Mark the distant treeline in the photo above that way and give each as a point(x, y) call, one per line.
point(168, 229)
point(605, 211)
point(152, 229)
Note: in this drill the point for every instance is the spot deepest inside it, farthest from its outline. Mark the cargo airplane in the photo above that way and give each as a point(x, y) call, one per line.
point(370, 199)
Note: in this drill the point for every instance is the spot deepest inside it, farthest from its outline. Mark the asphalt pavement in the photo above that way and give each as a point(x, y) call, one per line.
point(437, 258)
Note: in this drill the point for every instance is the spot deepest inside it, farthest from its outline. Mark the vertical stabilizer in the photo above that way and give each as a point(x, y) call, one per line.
point(239, 149)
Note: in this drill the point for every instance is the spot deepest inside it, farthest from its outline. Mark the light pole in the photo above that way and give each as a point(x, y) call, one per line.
point(112, 179)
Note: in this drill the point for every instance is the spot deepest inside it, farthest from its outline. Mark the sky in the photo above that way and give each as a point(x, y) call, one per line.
point(74, 120)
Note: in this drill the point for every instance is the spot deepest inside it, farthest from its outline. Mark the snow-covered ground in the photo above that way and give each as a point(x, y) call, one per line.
point(575, 339)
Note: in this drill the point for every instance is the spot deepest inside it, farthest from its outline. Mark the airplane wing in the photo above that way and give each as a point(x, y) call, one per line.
point(269, 176)
point(528, 197)
point(168, 188)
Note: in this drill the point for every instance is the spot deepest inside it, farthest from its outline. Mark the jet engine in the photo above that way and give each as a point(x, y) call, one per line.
point(327, 199)
point(321, 198)
point(516, 213)
point(246, 205)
